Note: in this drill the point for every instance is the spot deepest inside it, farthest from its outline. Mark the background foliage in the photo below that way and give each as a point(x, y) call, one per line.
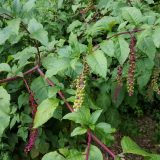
point(62, 36)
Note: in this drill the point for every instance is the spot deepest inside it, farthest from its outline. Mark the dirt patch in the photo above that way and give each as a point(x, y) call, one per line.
point(145, 138)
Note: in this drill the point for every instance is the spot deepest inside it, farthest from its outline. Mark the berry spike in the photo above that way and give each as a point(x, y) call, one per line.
point(33, 131)
point(132, 66)
point(80, 87)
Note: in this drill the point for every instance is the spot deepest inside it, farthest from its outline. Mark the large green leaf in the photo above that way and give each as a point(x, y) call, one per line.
point(154, 157)
point(122, 50)
point(40, 88)
point(4, 110)
point(107, 47)
point(104, 128)
point(82, 116)
point(145, 44)
point(5, 67)
point(104, 24)
point(75, 155)
point(95, 115)
point(132, 15)
point(11, 29)
point(45, 111)
point(98, 63)
point(24, 55)
point(73, 25)
point(37, 32)
point(129, 146)
point(95, 153)
point(29, 5)
point(78, 131)
point(55, 65)
point(156, 37)
point(53, 156)
point(150, 1)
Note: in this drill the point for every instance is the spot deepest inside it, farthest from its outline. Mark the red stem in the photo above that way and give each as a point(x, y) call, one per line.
point(26, 84)
point(59, 93)
point(118, 34)
point(16, 77)
point(103, 146)
point(88, 145)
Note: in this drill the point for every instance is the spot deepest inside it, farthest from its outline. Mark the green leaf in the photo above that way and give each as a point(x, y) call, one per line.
point(14, 25)
point(4, 110)
point(73, 25)
point(45, 111)
point(104, 128)
point(132, 14)
point(145, 44)
point(11, 29)
point(55, 65)
point(60, 3)
point(94, 116)
point(23, 100)
point(53, 155)
point(29, 5)
point(98, 63)
point(123, 50)
point(40, 89)
point(4, 67)
point(107, 47)
point(154, 157)
point(95, 153)
point(24, 55)
point(129, 146)
point(75, 155)
point(23, 133)
point(78, 131)
point(82, 116)
point(150, 1)
point(75, 45)
point(156, 37)
point(104, 24)
point(37, 32)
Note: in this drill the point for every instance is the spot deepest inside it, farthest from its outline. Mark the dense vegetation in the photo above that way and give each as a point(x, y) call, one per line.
point(73, 73)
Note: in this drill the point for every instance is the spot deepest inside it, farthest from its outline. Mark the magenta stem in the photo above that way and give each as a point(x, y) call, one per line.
point(103, 146)
point(88, 145)
point(16, 77)
point(59, 93)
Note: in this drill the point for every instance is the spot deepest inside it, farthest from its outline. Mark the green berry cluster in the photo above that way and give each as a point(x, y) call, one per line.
point(154, 81)
point(80, 88)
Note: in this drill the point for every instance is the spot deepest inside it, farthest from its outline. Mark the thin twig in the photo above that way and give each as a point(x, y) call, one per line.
point(88, 145)
point(16, 77)
point(118, 34)
point(103, 146)
point(52, 84)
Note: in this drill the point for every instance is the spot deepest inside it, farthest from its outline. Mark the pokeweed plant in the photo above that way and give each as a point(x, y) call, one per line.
point(45, 46)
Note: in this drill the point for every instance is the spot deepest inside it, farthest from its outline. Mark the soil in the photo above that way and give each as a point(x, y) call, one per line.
point(145, 140)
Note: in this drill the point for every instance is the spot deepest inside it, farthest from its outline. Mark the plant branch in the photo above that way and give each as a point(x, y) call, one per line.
point(59, 93)
point(88, 145)
point(103, 146)
point(16, 77)
point(118, 34)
